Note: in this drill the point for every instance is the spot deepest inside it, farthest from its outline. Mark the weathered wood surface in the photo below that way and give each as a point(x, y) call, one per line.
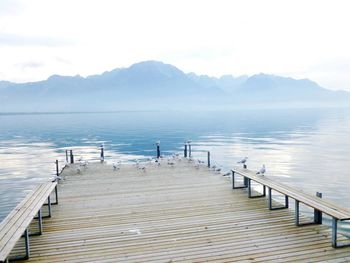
point(171, 214)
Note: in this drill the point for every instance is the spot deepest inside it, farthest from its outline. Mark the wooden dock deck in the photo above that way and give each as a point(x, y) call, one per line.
point(171, 213)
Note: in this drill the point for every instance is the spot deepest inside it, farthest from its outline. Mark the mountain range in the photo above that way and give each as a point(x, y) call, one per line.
point(153, 85)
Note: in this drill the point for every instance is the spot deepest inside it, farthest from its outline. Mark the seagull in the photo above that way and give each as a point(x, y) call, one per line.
point(243, 161)
point(57, 178)
point(262, 170)
point(218, 170)
point(227, 174)
point(78, 170)
point(84, 164)
point(116, 166)
point(135, 231)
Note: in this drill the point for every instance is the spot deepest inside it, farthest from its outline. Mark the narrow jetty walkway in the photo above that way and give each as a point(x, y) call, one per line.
point(171, 213)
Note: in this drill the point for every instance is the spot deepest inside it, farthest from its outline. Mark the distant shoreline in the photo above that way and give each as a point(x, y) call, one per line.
point(175, 110)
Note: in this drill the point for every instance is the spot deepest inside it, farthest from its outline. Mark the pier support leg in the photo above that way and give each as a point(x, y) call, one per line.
point(317, 213)
point(286, 201)
point(234, 184)
point(335, 243)
point(334, 232)
point(40, 225)
point(27, 248)
point(250, 190)
point(48, 207)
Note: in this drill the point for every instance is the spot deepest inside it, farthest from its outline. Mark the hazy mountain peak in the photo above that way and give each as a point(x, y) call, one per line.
point(153, 66)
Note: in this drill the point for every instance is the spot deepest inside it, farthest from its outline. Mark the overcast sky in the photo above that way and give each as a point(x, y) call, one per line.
point(300, 39)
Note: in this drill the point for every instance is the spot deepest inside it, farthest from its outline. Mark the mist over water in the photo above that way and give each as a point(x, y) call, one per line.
point(306, 148)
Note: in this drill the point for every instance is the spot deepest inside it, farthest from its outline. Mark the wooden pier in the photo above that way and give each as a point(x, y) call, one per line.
point(170, 213)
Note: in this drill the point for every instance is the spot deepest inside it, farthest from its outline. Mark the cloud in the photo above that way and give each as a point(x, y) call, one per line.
point(63, 61)
point(7, 39)
point(30, 64)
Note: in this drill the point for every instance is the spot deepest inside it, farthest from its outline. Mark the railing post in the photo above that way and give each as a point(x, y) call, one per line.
point(189, 149)
point(208, 159)
point(317, 213)
point(185, 150)
point(67, 156)
point(71, 157)
point(102, 155)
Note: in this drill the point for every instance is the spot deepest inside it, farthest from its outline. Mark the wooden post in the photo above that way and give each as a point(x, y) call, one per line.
point(102, 157)
point(185, 151)
point(208, 159)
point(67, 156)
point(189, 150)
point(71, 156)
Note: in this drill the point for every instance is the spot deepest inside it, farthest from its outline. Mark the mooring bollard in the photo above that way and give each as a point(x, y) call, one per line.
point(317, 213)
point(208, 159)
point(57, 170)
point(185, 150)
point(71, 156)
point(102, 155)
point(158, 149)
point(66, 156)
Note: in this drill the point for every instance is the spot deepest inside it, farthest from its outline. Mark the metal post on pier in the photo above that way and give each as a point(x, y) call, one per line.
point(102, 155)
point(185, 150)
point(189, 149)
point(67, 156)
point(208, 159)
point(158, 149)
point(71, 156)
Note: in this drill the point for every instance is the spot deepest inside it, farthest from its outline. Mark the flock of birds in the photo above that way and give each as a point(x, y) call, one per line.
point(170, 161)
point(173, 159)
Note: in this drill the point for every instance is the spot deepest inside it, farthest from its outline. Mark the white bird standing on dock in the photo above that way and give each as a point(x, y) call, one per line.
point(116, 166)
point(227, 174)
point(243, 161)
point(57, 178)
point(262, 170)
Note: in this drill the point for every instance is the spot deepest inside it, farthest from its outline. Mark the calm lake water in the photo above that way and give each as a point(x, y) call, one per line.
point(308, 148)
